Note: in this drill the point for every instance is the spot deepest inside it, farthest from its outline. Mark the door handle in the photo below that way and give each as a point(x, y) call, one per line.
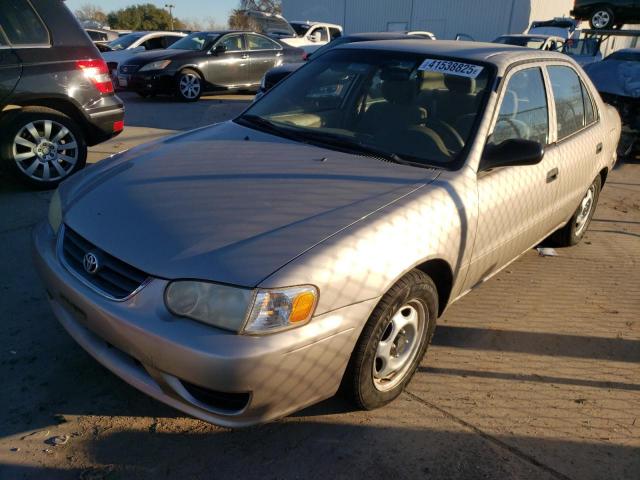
point(599, 148)
point(552, 175)
point(244, 56)
point(279, 54)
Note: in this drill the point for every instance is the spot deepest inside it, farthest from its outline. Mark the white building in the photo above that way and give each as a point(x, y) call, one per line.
point(482, 19)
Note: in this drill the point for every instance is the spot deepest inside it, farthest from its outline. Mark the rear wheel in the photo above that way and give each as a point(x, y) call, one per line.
point(41, 147)
point(393, 342)
point(189, 86)
point(602, 18)
point(574, 230)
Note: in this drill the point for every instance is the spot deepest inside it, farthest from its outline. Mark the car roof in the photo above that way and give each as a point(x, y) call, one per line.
point(379, 35)
point(498, 54)
point(530, 35)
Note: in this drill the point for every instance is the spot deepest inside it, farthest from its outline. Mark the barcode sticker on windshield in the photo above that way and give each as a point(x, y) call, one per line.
point(451, 68)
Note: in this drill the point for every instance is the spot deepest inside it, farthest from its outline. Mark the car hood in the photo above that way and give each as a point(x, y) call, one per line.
point(227, 203)
point(616, 77)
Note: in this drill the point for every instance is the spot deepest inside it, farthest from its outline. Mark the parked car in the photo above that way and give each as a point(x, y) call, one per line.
point(314, 34)
point(539, 42)
point(127, 46)
point(248, 269)
point(583, 50)
point(100, 35)
point(206, 61)
point(564, 27)
point(276, 74)
point(56, 96)
point(607, 14)
point(617, 78)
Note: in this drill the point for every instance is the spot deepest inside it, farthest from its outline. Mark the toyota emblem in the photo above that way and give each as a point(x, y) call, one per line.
point(90, 262)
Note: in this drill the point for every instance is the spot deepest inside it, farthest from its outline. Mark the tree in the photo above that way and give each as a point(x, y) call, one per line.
point(142, 17)
point(88, 13)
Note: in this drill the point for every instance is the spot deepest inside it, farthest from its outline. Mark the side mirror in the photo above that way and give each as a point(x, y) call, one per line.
point(219, 49)
point(512, 152)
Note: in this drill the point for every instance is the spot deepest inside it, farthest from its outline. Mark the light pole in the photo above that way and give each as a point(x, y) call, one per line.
point(170, 7)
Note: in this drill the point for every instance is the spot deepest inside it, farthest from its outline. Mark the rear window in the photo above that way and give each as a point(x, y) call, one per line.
point(21, 25)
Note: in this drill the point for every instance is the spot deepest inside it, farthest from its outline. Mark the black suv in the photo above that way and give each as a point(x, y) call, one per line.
point(56, 95)
point(607, 14)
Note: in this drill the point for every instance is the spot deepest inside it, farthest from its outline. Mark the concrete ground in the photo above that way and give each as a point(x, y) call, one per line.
point(534, 375)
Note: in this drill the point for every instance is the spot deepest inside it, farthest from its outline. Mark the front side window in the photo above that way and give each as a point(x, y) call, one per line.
point(257, 42)
point(21, 24)
point(169, 40)
point(232, 43)
point(320, 33)
point(404, 107)
point(523, 113)
point(567, 92)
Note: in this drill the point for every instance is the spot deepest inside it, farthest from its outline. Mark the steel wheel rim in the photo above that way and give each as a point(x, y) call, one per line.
point(585, 210)
point(399, 345)
point(600, 19)
point(189, 85)
point(45, 150)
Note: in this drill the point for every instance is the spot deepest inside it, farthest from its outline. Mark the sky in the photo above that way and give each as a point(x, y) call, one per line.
point(185, 9)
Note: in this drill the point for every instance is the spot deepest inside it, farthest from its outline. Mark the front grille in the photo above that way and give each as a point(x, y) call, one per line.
point(113, 278)
point(128, 69)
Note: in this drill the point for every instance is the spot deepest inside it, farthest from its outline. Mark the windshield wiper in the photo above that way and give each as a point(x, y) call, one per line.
point(358, 147)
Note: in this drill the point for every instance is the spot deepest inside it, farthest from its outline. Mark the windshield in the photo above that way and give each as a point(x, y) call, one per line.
point(530, 42)
point(196, 41)
point(301, 28)
point(403, 107)
point(125, 42)
point(586, 46)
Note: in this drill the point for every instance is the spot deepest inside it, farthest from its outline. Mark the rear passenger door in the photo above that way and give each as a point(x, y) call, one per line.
point(264, 54)
point(10, 69)
point(516, 206)
point(578, 136)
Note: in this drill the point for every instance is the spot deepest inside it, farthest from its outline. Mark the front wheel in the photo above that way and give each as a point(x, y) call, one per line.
point(574, 230)
point(189, 86)
point(41, 146)
point(392, 343)
point(602, 18)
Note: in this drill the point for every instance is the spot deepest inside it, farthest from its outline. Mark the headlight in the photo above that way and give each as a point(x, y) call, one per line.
point(280, 309)
point(218, 305)
point(159, 65)
point(242, 310)
point(55, 212)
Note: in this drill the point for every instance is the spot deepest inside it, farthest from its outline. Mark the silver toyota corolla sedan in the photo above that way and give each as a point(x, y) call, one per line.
point(245, 270)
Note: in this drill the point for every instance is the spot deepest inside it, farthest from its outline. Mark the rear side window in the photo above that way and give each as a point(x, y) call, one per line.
point(590, 115)
point(169, 40)
point(21, 24)
point(570, 105)
point(261, 43)
point(524, 113)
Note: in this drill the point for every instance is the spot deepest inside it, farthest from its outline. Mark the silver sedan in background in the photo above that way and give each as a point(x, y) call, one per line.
point(245, 270)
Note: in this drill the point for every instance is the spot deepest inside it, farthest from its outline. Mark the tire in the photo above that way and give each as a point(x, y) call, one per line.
point(602, 18)
point(574, 230)
point(32, 145)
point(364, 382)
point(189, 86)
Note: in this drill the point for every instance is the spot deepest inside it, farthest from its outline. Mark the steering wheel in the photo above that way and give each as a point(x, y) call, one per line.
point(448, 134)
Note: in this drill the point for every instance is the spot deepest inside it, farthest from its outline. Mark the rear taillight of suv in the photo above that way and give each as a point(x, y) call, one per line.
point(98, 73)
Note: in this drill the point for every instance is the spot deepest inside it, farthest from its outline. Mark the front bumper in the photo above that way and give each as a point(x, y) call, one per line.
point(162, 355)
point(152, 82)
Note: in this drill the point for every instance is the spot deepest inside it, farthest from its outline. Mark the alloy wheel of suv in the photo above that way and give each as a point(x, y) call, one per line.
point(602, 18)
point(42, 147)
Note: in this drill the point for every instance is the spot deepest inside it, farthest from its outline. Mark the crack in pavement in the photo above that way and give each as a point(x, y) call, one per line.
point(496, 441)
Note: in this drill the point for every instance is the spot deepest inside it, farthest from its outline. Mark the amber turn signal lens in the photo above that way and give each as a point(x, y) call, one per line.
point(302, 307)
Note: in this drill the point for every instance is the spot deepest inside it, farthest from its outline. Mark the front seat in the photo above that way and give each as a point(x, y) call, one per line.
point(400, 109)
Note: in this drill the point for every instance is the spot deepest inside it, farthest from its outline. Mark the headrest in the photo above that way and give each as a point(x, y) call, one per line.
point(462, 85)
point(398, 86)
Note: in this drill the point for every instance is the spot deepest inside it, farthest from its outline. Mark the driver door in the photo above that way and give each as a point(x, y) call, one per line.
point(229, 68)
point(516, 204)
